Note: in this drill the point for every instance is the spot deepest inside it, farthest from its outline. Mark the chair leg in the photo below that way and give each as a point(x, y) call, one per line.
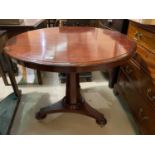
point(12, 77)
point(3, 74)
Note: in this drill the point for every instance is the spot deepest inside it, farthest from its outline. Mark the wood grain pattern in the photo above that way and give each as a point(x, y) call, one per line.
point(143, 114)
point(146, 59)
point(143, 37)
point(136, 82)
point(76, 48)
point(143, 83)
point(71, 50)
point(146, 47)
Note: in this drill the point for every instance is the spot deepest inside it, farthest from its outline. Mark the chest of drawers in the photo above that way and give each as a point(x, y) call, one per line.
point(136, 80)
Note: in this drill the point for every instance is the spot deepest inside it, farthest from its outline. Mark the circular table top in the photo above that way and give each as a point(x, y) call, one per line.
point(63, 48)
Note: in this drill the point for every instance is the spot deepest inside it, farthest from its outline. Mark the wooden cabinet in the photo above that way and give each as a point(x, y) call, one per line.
point(136, 80)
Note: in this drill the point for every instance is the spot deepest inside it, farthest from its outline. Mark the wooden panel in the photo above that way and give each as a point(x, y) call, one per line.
point(142, 37)
point(142, 82)
point(143, 114)
point(146, 60)
point(136, 83)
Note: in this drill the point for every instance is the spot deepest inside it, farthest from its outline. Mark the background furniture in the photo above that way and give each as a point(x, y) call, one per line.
point(8, 65)
point(79, 22)
point(8, 105)
point(120, 25)
point(84, 49)
point(136, 81)
point(10, 21)
point(25, 25)
point(3, 66)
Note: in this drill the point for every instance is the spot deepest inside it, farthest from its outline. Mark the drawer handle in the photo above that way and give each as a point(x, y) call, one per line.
point(128, 69)
point(142, 115)
point(138, 36)
point(149, 96)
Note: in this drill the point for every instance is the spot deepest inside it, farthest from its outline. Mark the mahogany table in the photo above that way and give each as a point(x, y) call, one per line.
point(71, 50)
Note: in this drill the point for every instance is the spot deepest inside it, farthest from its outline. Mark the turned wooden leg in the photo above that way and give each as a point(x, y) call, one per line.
point(72, 102)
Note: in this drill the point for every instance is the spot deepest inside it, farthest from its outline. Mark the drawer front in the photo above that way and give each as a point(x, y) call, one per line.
point(146, 60)
point(142, 37)
point(143, 114)
point(143, 83)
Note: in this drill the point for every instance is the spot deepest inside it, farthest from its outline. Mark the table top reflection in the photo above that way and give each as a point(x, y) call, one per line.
point(70, 46)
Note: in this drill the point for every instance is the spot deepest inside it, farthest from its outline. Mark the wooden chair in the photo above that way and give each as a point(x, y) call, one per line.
point(3, 66)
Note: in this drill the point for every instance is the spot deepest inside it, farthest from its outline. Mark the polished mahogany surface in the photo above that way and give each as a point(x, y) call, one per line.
point(70, 50)
point(70, 47)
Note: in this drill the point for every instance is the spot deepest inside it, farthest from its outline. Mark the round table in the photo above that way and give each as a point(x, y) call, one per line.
point(71, 50)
